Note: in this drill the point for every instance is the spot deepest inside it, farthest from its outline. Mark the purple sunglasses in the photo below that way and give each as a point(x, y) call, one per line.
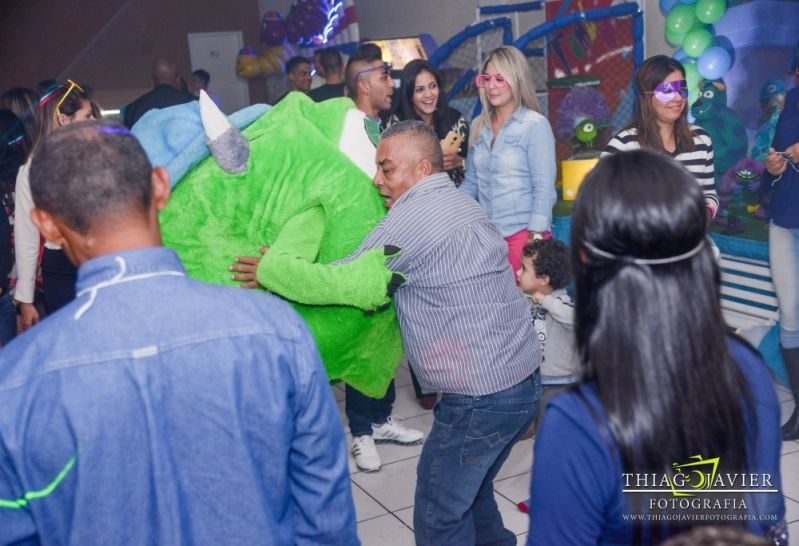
point(665, 91)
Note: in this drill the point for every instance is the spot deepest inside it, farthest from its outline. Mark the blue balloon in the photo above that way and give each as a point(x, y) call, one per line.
point(687, 1)
point(679, 55)
point(724, 43)
point(667, 5)
point(713, 63)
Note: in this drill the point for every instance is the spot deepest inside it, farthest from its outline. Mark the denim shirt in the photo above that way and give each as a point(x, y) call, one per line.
point(515, 180)
point(155, 409)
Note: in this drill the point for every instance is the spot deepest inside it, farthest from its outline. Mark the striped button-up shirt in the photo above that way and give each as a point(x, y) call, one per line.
point(465, 325)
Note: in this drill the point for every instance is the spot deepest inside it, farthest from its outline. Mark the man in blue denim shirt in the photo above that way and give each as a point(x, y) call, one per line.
point(154, 409)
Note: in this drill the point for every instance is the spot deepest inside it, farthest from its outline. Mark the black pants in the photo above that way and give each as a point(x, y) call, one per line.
point(59, 276)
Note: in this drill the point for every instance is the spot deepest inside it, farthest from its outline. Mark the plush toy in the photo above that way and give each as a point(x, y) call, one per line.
point(724, 125)
point(772, 98)
point(303, 190)
point(739, 194)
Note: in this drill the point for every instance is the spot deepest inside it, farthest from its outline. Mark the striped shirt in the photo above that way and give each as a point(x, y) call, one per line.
point(465, 325)
point(698, 162)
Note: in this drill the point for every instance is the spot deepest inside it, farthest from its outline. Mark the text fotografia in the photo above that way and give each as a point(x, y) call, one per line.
point(699, 476)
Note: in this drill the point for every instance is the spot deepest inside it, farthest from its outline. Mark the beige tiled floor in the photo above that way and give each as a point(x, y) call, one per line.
point(384, 499)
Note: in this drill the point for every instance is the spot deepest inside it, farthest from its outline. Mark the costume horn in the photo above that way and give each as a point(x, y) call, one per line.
point(228, 145)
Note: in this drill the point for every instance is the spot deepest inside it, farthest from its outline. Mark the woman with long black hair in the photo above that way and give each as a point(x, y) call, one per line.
point(662, 382)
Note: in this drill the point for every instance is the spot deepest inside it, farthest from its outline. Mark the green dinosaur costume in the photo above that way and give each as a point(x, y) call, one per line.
point(308, 201)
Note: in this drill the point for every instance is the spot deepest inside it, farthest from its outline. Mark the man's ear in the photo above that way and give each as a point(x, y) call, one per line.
point(425, 168)
point(159, 178)
point(48, 226)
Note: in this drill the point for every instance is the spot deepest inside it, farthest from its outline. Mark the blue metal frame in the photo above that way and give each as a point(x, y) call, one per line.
point(445, 49)
point(511, 8)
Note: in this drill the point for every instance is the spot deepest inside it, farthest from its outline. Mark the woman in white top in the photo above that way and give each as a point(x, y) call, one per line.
point(60, 105)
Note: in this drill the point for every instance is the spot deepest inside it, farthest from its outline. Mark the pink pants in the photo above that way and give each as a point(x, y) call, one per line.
point(515, 244)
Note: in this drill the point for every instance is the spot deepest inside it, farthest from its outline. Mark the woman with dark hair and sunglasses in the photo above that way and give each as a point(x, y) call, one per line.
point(423, 98)
point(510, 169)
point(661, 124)
point(662, 382)
point(58, 106)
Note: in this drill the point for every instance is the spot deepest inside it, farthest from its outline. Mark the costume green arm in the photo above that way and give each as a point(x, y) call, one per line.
point(288, 268)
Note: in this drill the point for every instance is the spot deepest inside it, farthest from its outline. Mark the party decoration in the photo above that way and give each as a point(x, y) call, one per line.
point(710, 11)
point(667, 5)
point(270, 60)
point(680, 19)
point(696, 42)
point(273, 29)
point(724, 43)
point(713, 63)
point(724, 125)
point(680, 55)
point(692, 78)
point(582, 113)
point(674, 38)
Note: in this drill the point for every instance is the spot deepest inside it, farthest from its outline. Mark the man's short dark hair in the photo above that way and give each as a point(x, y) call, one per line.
point(202, 75)
point(364, 55)
point(550, 258)
point(294, 62)
point(330, 59)
point(425, 140)
point(86, 173)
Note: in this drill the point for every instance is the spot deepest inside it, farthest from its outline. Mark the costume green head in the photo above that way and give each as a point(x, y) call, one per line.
point(306, 194)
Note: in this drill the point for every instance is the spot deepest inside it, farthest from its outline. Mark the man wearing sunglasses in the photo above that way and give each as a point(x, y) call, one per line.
point(369, 83)
point(166, 92)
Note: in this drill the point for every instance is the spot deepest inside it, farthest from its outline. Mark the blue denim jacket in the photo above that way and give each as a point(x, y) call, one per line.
point(515, 180)
point(155, 409)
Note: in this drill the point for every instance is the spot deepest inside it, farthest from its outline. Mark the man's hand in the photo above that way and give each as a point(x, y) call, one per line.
point(29, 315)
point(777, 163)
point(245, 268)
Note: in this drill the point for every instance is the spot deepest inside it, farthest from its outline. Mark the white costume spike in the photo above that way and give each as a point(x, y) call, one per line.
point(228, 145)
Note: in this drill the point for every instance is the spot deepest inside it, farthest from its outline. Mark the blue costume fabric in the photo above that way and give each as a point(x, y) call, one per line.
point(155, 409)
point(577, 486)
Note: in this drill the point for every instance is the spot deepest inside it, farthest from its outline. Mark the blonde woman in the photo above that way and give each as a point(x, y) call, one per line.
point(510, 167)
point(60, 105)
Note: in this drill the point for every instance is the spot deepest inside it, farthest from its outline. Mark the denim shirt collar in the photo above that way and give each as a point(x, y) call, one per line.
point(428, 183)
point(122, 265)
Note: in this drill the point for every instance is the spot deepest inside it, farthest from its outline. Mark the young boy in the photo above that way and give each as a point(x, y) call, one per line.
point(544, 275)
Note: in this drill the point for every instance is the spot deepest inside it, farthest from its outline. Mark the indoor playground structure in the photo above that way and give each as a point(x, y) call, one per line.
point(737, 56)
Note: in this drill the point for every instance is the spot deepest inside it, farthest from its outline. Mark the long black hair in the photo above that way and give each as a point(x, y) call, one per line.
point(409, 73)
point(651, 335)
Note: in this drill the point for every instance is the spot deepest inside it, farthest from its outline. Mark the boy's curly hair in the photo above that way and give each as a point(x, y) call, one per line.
point(551, 258)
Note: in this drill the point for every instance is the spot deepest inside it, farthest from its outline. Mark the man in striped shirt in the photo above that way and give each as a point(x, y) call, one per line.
point(466, 330)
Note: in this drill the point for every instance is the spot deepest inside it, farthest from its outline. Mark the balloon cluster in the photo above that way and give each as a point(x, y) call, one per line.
point(689, 26)
point(266, 62)
point(305, 21)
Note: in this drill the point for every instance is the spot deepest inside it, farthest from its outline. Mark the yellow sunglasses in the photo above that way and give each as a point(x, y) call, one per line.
point(72, 85)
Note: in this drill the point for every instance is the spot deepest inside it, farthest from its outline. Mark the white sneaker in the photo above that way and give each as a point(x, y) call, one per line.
point(395, 432)
point(365, 453)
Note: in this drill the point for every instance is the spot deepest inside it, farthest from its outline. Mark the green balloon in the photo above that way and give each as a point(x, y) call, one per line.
point(692, 79)
point(674, 39)
point(680, 19)
point(710, 11)
point(696, 42)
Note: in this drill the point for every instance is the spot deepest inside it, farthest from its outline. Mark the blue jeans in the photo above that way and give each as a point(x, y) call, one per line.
point(470, 440)
point(362, 411)
point(784, 262)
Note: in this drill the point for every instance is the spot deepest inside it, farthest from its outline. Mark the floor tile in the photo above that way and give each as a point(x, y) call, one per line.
point(515, 489)
point(791, 510)
point(365, 506)
point(514, 520)
point(793, 534)
point(789, 465)
point(385, 531)
point(406, 404)
point(786, 408)
point(789, 447)
point(521, 540)
point(403, 378)
point(338, 391)
point(343, 415)
point(406, 515)
point(783, 394)
point(520, 460)
point(393, 486)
